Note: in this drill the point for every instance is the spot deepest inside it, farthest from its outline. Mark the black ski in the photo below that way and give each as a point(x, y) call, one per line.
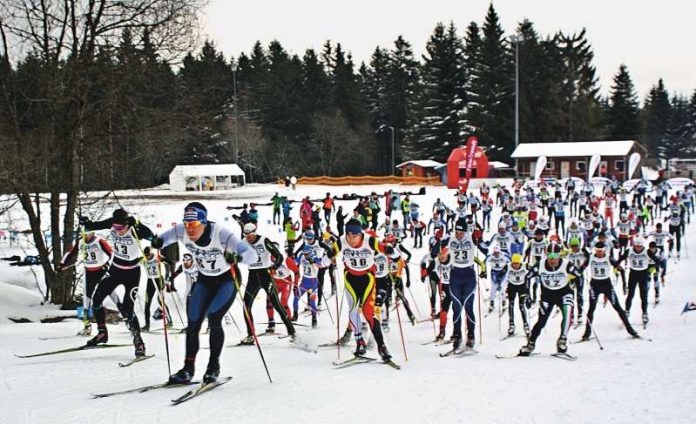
point(142, 389)
point(199, 390)
point(563, 355)
point(459, 352)
point(133, 361)
point(582, 340)
point(516, 355)
point(72, 349)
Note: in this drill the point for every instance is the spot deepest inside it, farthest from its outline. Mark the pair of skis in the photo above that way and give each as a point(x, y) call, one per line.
point(194, 392)
point(363, 360)
point(86, 347)
point(559, 355)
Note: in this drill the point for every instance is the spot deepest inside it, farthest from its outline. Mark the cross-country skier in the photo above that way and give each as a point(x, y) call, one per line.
point(216, 251)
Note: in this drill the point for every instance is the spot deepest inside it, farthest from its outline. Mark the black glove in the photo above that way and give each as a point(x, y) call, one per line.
point(483, 274)
point(157, 242)
point(83, 220)
point(528, 302)
point(408, 283)
point(131, 221)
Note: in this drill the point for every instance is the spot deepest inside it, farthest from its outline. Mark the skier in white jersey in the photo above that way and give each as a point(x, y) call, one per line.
point(126, 233)
point(215, 250)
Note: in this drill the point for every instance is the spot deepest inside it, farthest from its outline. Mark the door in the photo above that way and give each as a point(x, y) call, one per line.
point(565, 169)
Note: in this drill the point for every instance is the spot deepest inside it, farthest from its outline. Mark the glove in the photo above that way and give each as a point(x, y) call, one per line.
point(131, 221)
point(528, 302)
point(169, 287)
point(483, 275)
point(231, 258)
point(60, 268)
point(83, 220)
point(408, 283)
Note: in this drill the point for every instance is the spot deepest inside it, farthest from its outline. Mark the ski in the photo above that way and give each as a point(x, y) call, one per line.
point(332, 344)
point(72, 349)
point(303, 346)
point(136, 360)
point(563, 355)
point(459, 352)
point(645, 339)
point(59, 337)
point(420, 321)
point(200, 389)
point(392, 364)
point(582, 340)
point(516, 355)
point(142, 389)
point(353, 361)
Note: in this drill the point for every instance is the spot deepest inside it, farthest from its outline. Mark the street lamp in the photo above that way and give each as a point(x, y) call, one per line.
point(381, 127)
point(517, 39)
point(236, 122)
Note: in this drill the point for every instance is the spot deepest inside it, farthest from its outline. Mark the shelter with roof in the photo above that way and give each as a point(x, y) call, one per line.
point(419, 168)
point(206, 177)
point(571, 159)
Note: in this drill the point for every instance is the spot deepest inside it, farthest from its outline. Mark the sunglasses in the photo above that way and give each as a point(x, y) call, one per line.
point(192, 224)
point(119, 227)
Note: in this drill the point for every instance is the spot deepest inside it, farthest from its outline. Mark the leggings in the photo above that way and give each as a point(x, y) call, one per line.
point(604, 287)
point(638, 279)
point(559, 222)
point(360, 294)
point(211, 297)
point(307, 285)
point(283, 288)
point(563, 298)
point(517, 292)
point(261, 279)
point(130, 278)
point(445, 302)
point(383, 297)
point(463, 292)
point(91, 280)
point(149, 295)
point(675, 231)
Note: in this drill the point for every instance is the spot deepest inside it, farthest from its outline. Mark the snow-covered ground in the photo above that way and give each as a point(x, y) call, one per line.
point(629, 381)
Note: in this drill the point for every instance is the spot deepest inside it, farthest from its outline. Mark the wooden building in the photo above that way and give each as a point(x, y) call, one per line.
point(419, 168)
point(571, 159)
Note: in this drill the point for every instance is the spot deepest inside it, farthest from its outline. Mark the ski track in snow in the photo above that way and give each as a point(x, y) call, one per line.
point(630, 381)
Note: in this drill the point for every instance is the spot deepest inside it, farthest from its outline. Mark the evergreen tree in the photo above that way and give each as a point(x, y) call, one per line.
point(675, 142)
point(623, 107)
point(443, 95)
point(581, 110)
point(492, 114)
point(656, 114)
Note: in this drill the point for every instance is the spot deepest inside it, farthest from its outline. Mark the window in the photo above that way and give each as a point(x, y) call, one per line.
point(619, 165)
point(550, 165)
point(580, 165)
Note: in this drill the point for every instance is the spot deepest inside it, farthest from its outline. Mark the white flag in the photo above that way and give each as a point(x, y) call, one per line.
point(633, 162)
point(594, 163)
point(540, 166)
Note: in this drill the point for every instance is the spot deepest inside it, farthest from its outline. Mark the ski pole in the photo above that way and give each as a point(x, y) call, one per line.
point(401, 330)
point(251, 324)
point(327, 307)
point(178, 312)
point(479, 309)
point(589, 321)
point(161, 295)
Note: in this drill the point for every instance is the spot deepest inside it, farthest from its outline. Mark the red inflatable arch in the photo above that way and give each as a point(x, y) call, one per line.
point(456, 166)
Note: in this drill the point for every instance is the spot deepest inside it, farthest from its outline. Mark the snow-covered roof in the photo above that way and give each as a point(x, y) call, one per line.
point(208, 170)
point(580, 148)
point(498, 165)
point(425, 163)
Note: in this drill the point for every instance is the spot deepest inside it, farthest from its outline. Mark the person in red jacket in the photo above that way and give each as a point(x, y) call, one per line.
point(287, 276)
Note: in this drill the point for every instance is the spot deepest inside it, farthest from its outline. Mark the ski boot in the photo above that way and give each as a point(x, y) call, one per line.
point(87, 330)
point(102, 337)
point(562, 345)
point(490, 308)
point(247, 341)
point(645, 319)
point(586, 335)
point(527, 349)
point(314, 321)
point(146, 327)
point(345, 338)
point(294, 316)
point(441, 335)
point(657, 299)
point(384, 353)
point(412, 318)
point(579, 321)
point(139, 345)
point(270, 329)
point(183, 376)
point(633, 333)
point(212, 372)
point(456, 342)
point(470, 341)
point(385, 326)
point(360, 347)
point(511, 330)
point(526, 329)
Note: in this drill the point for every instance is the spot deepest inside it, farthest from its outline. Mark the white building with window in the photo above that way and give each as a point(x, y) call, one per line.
point(206, 177)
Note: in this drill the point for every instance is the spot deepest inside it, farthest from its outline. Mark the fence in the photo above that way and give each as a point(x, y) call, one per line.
point(367, 180)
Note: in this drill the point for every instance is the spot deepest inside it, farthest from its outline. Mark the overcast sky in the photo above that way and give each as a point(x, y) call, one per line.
point(653, 38)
